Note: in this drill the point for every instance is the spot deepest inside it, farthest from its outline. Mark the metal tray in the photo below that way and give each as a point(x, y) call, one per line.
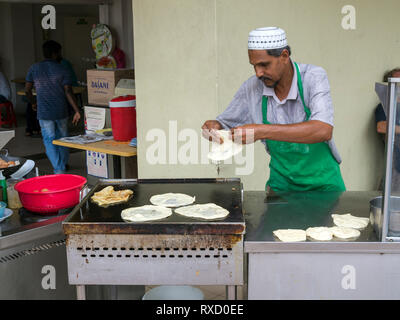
point(89, 218)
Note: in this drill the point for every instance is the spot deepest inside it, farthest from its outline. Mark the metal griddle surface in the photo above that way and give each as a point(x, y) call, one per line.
point(88, 217)
point(303, 210)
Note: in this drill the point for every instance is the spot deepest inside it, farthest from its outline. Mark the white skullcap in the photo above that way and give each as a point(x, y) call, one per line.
point(267, 38)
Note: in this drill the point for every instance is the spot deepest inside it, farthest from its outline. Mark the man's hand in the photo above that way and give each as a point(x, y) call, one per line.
point(209, 130)
point(72, 101)
point(248, 133)
point(34, 106)
point(77, 117)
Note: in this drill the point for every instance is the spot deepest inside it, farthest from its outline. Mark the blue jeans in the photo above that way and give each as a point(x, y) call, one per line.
point(53, 130)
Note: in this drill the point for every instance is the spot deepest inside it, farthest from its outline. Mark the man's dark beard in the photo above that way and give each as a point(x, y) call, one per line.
point(263, 79)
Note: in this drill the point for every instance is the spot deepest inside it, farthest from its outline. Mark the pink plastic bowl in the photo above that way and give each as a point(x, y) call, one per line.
point(63, 192)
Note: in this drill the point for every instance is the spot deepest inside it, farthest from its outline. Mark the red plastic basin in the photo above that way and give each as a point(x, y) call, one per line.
point(48, 194)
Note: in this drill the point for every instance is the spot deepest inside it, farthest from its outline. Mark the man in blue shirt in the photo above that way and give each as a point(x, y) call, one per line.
point(53, 86)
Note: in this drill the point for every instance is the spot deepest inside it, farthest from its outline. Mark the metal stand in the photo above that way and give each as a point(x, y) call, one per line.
point(80, 292)
point(231, 293)
point(390, 136)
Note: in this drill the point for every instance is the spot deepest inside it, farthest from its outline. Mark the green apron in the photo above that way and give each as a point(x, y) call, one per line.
point(301, 166)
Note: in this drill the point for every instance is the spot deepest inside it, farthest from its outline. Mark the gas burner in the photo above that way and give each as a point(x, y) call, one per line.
point(30, 216)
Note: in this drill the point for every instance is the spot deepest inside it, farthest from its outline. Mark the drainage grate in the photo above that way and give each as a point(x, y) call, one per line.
point(157, 252)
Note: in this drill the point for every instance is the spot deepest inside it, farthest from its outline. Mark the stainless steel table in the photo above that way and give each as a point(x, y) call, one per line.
point(361, 269)
point(32, 249)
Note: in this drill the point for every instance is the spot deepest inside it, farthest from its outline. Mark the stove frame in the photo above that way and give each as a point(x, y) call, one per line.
point(175, 254)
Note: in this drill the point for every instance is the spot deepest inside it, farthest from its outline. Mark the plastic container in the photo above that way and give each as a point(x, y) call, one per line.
point(49, 194)
point(174, 293)
point(123, 117)
point(12, 195)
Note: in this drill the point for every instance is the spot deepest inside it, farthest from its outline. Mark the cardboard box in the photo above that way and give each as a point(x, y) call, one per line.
point(101, 84)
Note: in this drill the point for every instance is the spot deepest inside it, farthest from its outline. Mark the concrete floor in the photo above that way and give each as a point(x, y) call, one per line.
point(32, 148)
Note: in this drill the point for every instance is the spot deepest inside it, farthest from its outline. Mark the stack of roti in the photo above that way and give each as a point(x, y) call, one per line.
point(206, 211)
point(172, 200)
point(145, 213)
point(346, 227)
point(108, 196)
point(225, 150)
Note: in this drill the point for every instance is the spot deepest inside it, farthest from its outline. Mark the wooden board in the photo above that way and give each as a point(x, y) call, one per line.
point(106, 146)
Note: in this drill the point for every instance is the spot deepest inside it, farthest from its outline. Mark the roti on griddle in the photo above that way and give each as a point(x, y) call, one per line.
point(108, 196)
point(290, 235)
point(320, 233)
point(145, 213)
point(208, 211)
point(172, 200)
point(349, 221)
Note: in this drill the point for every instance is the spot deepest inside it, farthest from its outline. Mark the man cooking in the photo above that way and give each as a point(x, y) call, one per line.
point(289, 108)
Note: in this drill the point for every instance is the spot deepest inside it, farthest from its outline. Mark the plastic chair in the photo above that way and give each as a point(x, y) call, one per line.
point(9, 117)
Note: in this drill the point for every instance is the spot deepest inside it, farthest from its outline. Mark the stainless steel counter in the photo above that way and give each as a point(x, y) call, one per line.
point(361, 269)
point(29, 246)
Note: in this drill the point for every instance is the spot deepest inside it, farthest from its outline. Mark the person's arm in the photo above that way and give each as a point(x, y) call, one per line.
point(381, 127)
point(380, 119)
point(29, 86)
point(312, 131)
point(72, 100)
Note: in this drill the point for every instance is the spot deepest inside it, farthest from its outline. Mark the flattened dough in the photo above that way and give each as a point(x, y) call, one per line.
point(345, 233)
point(320, 233)
point(225, 150)
point(204, 211)
point(290, 235)
point(172, 200)
point(145, 213)
point(349, 221)
point(108, 196)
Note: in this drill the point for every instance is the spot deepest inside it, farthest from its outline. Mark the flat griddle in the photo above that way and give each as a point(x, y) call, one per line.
point(90, 218)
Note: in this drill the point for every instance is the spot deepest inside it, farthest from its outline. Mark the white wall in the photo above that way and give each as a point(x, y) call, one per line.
point(191, 57)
